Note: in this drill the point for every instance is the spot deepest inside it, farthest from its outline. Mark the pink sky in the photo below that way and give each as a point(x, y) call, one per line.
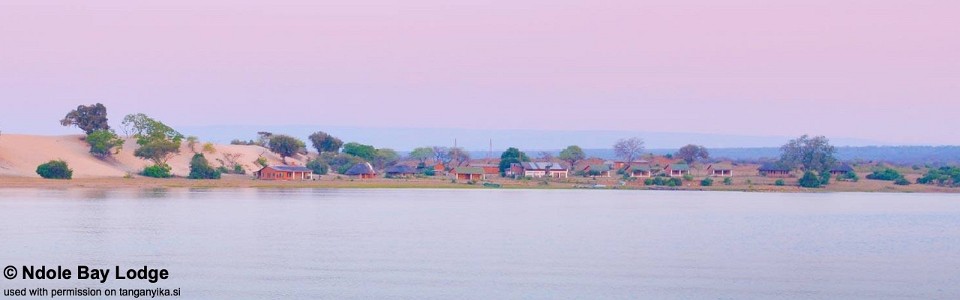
point(882, 70)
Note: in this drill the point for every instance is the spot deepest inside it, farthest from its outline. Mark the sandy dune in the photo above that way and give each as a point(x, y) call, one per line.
point(20, 155)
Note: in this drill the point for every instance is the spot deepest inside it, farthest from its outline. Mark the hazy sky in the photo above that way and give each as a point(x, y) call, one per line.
point(872, 69)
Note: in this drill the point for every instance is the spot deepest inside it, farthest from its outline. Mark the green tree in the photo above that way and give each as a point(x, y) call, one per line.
point(422, 154)
point(385, 157)
point(811, 154)
point(88, 118)
point(200, 168)
point(692, 153)
point(192, 143)
point(572, 155)
point(810, 180)
point(285, 146)
point(157, 140)
point(459, 155)
point(511, 156)
point(55, 169)
point(366, 152)
point(318, 166)
point(102, 142)
point(324, 142)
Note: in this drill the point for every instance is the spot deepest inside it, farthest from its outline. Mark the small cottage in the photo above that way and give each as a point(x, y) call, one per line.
point(774, 170)
point(541, 169)
point(641, 171)
point(598, 170)
point(841, 169)
point(361, 170)
point(677, 170)
point(400, 171)
point(284, 173)
point(720, 170)
point(469, 173)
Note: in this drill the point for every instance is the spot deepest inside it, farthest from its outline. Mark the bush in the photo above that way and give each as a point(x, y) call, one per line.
point(885, 174)
point(941, 176)
point(901, 181)
point(849, 176)
point(318, 167)
point(238, 169)
point(810, 180)
point(102, 142)
point(262, 161)
point(687, 177)
point(157, 171)
point(779, 182)
point(728, 181)
point(706, 182)
point(200, 168)
point(55, 169)
point(661, 181)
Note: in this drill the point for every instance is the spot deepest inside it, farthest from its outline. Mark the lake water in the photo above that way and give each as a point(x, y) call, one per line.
point(494, 244)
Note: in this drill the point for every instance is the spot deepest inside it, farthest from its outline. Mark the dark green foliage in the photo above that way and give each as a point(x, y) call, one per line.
point(157, 171)
point(157, 140)
point(511, 156)
point(340, 162)
point(663, 181)
point(779, 182)
point(365, 152)
point(810, 180)
point(849, 176)
point(572, 155)
point(728, 181)
point(318, 166)
point(706, 181)
point(55, 169)
point(885, 174)
point(88, 118)
point(687, 177)
point(945, 176)
point(901, 181)
point(102, 142)
point(238, 169)
point(324, 142)
point(262, 161)
point(825, 178)
point(285, 146)
point(200, 168)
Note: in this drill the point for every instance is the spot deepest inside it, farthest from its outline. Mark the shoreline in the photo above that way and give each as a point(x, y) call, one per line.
point(238, 182)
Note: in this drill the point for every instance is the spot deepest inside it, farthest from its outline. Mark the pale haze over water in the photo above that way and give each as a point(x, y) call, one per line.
point(497, 244)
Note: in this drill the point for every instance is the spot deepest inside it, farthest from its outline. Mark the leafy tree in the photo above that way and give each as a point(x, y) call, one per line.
point(511, 156)
point(102, 142)
point(285, 146)
point(385, 157)
point(88, 118)
point(55, 169)
point(318, 166)
point(885, 174)
point(441, 155)
point(340, 162)
point(941, 176)
point(209, 148)
point(263, 138)
point(422, 154)
point(192, 143)
point(811, 154)
point(200, 168)
point(157, 140)
point(324, 142)
point(628, 149)
point(572, 155)
point(810, 180)
point(366, 152)
point(692, 153)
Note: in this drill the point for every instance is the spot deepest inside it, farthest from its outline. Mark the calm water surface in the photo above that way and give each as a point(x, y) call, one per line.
point(496, 244)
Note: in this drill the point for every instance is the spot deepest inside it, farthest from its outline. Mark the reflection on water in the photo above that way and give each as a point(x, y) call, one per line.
point(483, 244)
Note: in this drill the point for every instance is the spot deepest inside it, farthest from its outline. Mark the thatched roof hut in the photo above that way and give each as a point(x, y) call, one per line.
point(362, 170)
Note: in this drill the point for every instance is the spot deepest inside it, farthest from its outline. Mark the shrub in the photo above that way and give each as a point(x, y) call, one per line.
point(706, 181)
point(429, 172)
point(157, 171)
point(885, 174)
point(238, 169)
point(825, 178)
point(209, 148)
point(262, 161)
point(728, 181)
point(779, 182)
point(901, 181)
point(941, 176)
point(810, 180)
point(102, 142)
point(200, 168)
point(687, 177)
point(849, 176)
point(318, 166)
point(55, 169)
point(662, 181)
